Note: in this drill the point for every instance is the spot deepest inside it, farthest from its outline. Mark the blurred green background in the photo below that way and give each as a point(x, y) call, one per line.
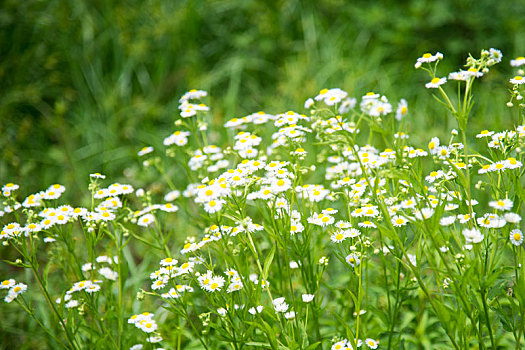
point(86, 84)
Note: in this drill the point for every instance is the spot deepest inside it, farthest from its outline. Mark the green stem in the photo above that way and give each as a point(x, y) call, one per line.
point(485, 309)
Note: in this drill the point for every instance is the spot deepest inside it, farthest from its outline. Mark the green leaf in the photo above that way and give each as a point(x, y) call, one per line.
point(313, 346)
point(259, 344)
point(268, 262)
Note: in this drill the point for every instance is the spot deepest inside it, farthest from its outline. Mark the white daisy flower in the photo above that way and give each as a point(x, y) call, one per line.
point(516, 237)
point(519, 61)
point(473, 235)
point(435, 83)
point(501, 204)
point(146, 220)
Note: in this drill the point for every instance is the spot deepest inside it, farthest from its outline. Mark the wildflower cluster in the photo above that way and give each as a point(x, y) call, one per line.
point(14, 289)
point(322, 229)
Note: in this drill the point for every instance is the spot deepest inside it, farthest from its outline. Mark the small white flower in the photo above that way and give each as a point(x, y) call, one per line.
point(435, 83)
point(371, 343)
point(146, 220)
point(473, 235)
point(353, 260)
point(517, 62)
point(501, 204)
point(308, 297)
point(222, 311)
point(308, 103)
point(289, 315)
point(517, 80)
point(145, 151)
point(516, 237)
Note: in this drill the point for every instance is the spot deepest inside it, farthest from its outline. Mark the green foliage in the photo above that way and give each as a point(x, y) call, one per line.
point(85, 84)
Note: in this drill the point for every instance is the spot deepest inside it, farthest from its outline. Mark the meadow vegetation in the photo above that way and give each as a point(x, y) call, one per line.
point(267, 208)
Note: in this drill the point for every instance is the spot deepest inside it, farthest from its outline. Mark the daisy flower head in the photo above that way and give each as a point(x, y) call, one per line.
point(299, 152)
point(484, 133)
point(398, 220)
point(6, 284)
point(160, 283)
point(145, 150)
point(108, 273)
point(214, 206)
point(17, 289)
point(353, 260)
point(169, 208)
point(402, 109)
point(92, 288)
point(97, 176)
point(371, 343)
point(51, 194)
point(296, 227)
point(193, 94)
point(429, 58)
point(347, 104)
point(512, 163)
point(495, 55)
point(472, 72)
point(512, 218)
point(519, 61)
point(340, 345)
point(367, 224)
point(458, 76)
point(516, 237)
point(331, 96)
point(147, 326)
point(8, 188)
point(309, 103)
point(473, 235)
point(433, 145)
point(501, 204)
point(435, 83)
point(338, 236)
point(146, 220)
point(168, 262)
point(216, 283)
point(517, 80)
